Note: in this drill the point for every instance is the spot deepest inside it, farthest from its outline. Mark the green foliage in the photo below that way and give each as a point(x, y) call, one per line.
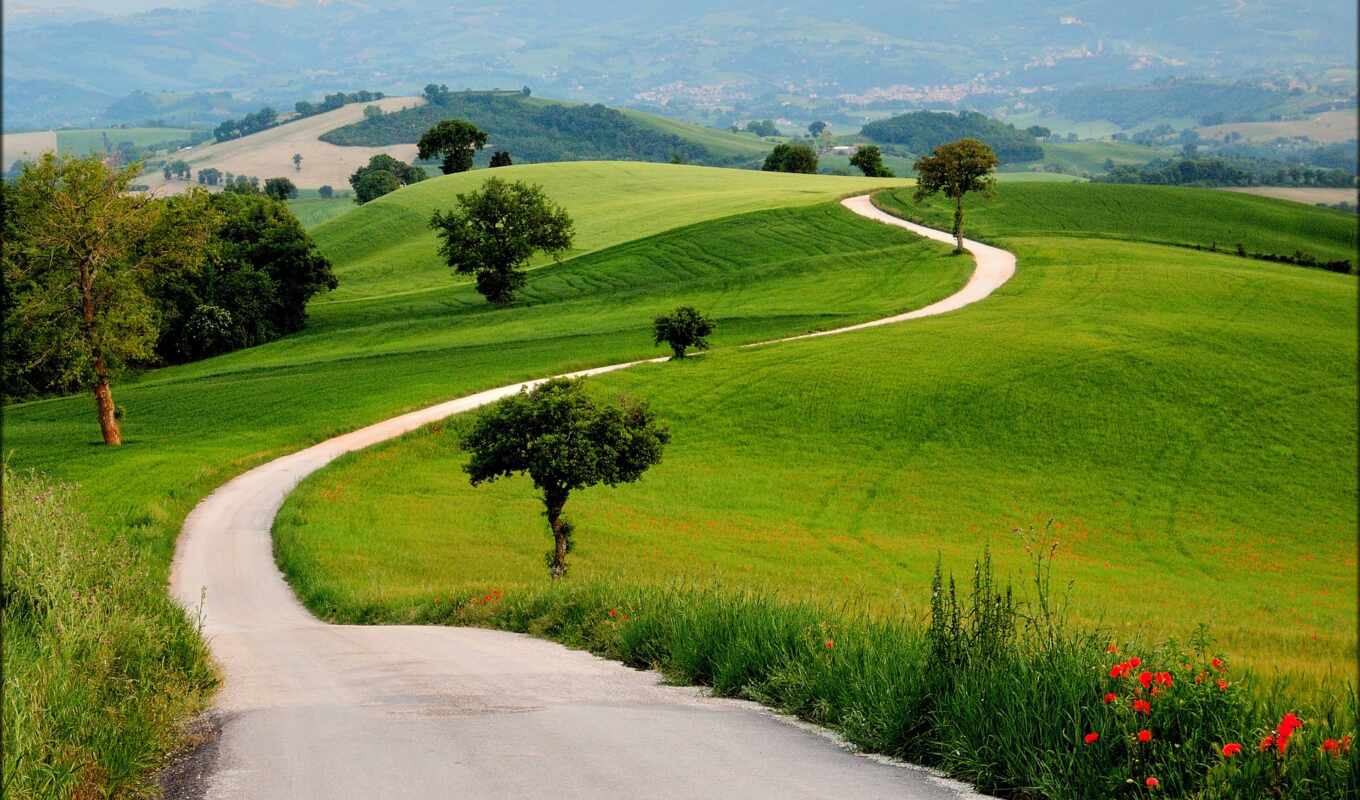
point(326, 192)
point(280, 189)
point(682, 329)
point(500, 159)
point(869, 159)
point(261, 270)
point(100, 665)
point(456, 140)
point(762, 127)
point(799, 158)
point(493, 232)
point(382, 175)
point(251, 123)
point(534, 131)
point(923, 131)
point(1236, 171)
point(564, 442)
point(1199, 99)
point(954, 170)
point(816, 128)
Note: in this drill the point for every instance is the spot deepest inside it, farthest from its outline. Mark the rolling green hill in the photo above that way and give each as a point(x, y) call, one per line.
point(386, 246)
point(1147, 398)
point(538, 130)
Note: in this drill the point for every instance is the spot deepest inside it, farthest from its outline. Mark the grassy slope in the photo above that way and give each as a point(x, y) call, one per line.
point(387, 245)
point(720, 142)
point(1182, 415)
point(311, 209)
point(1173, 215)
point(1089, 156)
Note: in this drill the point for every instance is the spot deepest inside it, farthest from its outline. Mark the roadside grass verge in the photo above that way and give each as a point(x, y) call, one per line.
point(999, 695)
point(100, 665)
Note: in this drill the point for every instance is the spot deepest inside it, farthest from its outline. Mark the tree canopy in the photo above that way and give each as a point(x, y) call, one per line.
point(956, 169)
point(683, 328)
point(381, 175)
point(869, 159)
point(456, 140)
point(564, 441)
point(922, 131)
point(791, 158)
point(491, 232)
point(280, 189)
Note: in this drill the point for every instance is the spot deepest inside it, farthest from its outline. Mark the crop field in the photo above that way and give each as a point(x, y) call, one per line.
point(91, 140)
point(1328, 127)
point(269, 153)
point(1312, 195)
point(1089, 156)
point(26, 146)
point(1141, 397)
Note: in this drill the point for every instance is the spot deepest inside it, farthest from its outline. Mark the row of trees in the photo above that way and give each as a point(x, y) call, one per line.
point(382, 175)
point(98, 279)
point(305, 108)
point(1226, 172)
point(250, 123)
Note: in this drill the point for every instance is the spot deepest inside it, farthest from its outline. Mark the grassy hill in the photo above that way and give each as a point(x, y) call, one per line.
point(386, 246)
point(1146, 398)
point(539, 130)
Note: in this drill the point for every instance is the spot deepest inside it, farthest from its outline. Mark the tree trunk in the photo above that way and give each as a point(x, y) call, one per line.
point(958, 223)
point(557, 567)
point(103, 400)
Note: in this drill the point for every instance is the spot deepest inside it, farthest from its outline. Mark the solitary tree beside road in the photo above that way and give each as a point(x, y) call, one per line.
point(564, 441)
point(956, 169)
point(493, 231)
point(682, 329)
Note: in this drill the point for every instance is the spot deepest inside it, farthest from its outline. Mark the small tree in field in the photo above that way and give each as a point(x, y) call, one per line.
point(956, 169)
point(297, 161)
point(83, 254)
point(457, 140)
point(791, 158)
point(869, 159)
point(493, 231)
point(326, 191)
point(682, 329)
point(280, 189)
point(564, 441)
point(500, 158)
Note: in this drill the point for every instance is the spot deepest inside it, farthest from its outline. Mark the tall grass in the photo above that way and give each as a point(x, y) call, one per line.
point(100, 666)
point(998, 693)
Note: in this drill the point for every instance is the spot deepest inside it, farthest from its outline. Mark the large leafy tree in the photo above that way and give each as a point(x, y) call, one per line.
point(564, 441)
point(381, 175)
point(280, 188)
point(683, 328)
point(955, 169)
point(791, 158)
point(455, 139)
point(493, 231)
point(82, 252)
point(869, 159)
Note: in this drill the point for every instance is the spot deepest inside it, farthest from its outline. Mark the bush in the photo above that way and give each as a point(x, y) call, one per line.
point(326, 191)
point(682, 329)
point(100, 665)
point(791, 158)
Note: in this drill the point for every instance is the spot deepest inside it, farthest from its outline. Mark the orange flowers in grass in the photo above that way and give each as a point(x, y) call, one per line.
point(1289, 723)
point(1231, 749)
point(829, 643)
point(1152, 783)
point(1222, 685)
point(1145, 736)
point(1091, 738)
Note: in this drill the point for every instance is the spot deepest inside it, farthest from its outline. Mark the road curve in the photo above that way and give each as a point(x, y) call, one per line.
point(313, 710)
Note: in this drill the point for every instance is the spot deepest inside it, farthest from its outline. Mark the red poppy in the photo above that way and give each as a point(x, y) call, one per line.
point(1288, 724)
point(1110, 697)
point(1346, 743)
point(1267, 743)
point(1152, 783)
point(1332, 747)
point(1217, 664)
point(1112, 648)
point(830, 644)
point(1091, 738)
point(613, 612)
point(1231, 749)
point(1142, 706)
point(1222, 685)
point(1145, 678)
point(1135, 662)
point(1164, 678)
point(1145, 736)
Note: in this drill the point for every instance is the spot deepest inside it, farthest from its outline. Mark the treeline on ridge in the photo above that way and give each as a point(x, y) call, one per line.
point(530, 131)
point(267, 117)
point(1232, 171)
point(919, 132)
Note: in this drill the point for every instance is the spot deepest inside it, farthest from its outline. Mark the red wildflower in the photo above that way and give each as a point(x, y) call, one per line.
point(1231, 749)
point(613, 612)
point(1346, 743)
point(1267, 743)
point(1222, 685)
point(1135, 662)
point(1110, 698)
point(1142, 706)
point(1145, 678)
point(830, 643)
point(1200, 678)
point(1091, 738)
point(1152, 783)
point(1112, 648)
point(1332, 747)
point(1164, 678)
point(1145, 736)
point(1217, 664)
point(1288, 724)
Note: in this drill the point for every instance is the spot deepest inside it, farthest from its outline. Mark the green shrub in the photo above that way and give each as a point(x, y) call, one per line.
point(100, 666)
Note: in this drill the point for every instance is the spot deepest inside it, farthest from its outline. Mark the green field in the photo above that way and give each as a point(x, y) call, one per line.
point(387, 246)
point(312, 209)
point(1143, 397)
point(91, 140)
point(722, 143)
point(1088, 157)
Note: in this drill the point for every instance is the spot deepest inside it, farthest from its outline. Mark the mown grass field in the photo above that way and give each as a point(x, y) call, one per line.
point(719, 142)
point(1185, 418)
point(387, 246)
point(312, 209)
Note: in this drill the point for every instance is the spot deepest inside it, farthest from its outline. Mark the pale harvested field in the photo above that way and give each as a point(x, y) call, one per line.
point(1301, 194)
point(26, 146)
point(1329, 127)
point(269, 154)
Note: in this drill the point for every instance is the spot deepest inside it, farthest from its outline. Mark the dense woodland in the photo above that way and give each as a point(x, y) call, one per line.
point(922, 131)
point(1227, 172)
point(531, 131)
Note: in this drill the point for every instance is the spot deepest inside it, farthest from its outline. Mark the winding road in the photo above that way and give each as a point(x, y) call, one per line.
point(313, 710)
